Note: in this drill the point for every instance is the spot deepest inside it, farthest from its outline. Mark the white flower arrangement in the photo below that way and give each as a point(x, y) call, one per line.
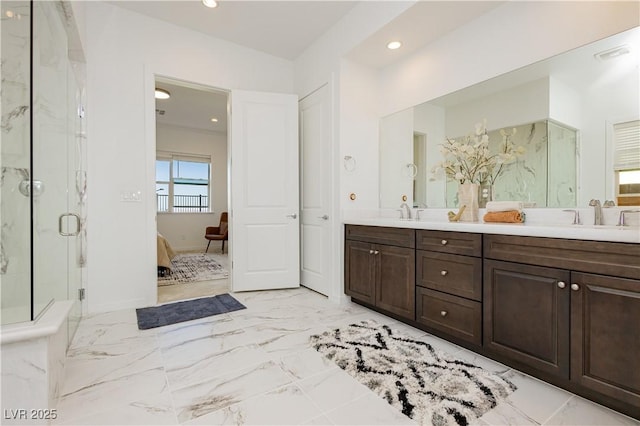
point(468, 159)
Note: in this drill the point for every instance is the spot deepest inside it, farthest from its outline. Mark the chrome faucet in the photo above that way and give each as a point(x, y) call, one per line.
point(576, 216)
point(407, 209)
point(597, 211)
point(621, 220)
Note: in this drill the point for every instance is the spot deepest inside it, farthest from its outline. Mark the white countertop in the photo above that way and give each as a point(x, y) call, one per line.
point(611, 233)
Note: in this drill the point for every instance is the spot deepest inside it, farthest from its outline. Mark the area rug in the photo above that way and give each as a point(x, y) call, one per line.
point(425, 384)
point(172, 313)
point(192, 267)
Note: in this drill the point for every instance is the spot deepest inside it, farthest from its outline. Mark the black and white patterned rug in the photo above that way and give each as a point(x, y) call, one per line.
point(192, 267)
point(425, 384)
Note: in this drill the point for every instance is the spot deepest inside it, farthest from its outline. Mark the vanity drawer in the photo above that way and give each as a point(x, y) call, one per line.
point(381, 235)
point(598, 257)
point(455, 316)
point(450, 273)
point(450, 242)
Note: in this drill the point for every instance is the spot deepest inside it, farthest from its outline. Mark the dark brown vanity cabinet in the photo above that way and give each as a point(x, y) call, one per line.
point(605, 336)
point(566, 311)
point(567, 319)
point(526, 315)
point(449, 283)
point(380, 268)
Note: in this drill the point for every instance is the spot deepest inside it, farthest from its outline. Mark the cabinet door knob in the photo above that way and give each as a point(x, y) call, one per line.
point(370, 251)
point(575, 287)
point(561, 284)
point(376, 252)
point(443, 273)
point(443, 313)
point(444, 242)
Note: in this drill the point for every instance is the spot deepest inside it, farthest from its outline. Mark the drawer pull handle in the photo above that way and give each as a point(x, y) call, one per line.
point(575, 287)
point(376, 252)
point(443, 273)
point(443, 313)
point(561, 284)
point(370, 251)
point(444, 242)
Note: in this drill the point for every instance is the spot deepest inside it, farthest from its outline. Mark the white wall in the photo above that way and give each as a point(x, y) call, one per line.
point(522, 104)
point(354, 110)
point(124, 51)
point(430, 119)
point(396, 151)
point(617, 100)
point(358, 127)
point(185, 231)
point(318, 62)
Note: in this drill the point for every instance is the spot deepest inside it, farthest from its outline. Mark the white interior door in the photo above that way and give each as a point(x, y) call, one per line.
point(315, 173)
point(264, 225)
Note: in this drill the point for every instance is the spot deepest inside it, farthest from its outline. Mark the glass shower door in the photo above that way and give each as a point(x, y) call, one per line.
point(56, 159)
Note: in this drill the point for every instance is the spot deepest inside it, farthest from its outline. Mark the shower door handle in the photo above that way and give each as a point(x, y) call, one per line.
point(68, 234)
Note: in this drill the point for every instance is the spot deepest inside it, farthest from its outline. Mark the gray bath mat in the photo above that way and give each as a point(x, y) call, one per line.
point(172, 313)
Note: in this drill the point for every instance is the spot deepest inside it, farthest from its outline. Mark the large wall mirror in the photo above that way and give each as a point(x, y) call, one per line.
point(576, 117)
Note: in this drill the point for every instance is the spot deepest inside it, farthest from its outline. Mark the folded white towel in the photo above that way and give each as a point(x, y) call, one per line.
point(503, 206)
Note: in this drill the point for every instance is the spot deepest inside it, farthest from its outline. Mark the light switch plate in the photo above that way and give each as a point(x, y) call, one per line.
point(129, 196)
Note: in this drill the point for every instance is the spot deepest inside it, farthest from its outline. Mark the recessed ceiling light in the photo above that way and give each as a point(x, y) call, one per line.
point(162, 94)
point(210, 3)
point(214, 120)
point(393, 45)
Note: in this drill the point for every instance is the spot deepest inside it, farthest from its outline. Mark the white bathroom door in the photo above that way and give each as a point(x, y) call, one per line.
point(316, 182)
point(264, 225)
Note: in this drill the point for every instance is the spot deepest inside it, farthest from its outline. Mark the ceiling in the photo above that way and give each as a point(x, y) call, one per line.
point(192, 106)
point(421, 24)
point(285, 29)
point(280, 28)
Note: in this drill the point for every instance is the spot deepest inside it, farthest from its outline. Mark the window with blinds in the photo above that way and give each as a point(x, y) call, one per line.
point(626, 162)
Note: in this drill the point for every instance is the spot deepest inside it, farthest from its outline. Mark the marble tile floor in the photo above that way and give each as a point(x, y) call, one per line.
point(255, 366)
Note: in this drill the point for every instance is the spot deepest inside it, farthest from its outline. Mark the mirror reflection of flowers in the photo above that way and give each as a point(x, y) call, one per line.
point(469, 158)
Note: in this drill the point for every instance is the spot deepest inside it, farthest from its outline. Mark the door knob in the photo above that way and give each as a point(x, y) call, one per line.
point(370, 251)
point(575, 287)
point(443, 273)
point(561, 284)
point(292, 216)
point(376, 252)
point(444, 242)
point(324, 217)
point(443, 313)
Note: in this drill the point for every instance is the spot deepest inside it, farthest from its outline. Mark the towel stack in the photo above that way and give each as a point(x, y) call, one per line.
point(504, 211)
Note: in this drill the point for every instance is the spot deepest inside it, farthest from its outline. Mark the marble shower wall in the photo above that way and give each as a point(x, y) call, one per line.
point(545, 174)
point(55, 147)
point(14, 161)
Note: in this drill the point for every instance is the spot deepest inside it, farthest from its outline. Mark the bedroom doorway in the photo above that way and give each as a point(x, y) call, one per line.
point(192, 189)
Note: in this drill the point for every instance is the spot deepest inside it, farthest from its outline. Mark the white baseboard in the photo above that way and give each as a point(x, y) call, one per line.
point(119, 305)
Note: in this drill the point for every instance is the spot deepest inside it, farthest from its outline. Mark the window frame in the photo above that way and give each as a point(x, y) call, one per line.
point(171, 157)
point(623, 134)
